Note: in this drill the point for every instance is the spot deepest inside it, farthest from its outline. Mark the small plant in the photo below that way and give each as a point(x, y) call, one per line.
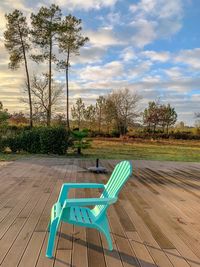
point(79, 140)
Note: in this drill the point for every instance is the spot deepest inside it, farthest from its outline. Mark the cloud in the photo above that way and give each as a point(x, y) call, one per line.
point(189, 57)
point(86, 4)
point(88, 55)
point(156, 56)
point(160, 9)
point(174, 72)
point(139, 70)
point(114, 18)
point(105, 72)
point(102, 37)
point(144, 32)
point(128, 54)
point(155, 19)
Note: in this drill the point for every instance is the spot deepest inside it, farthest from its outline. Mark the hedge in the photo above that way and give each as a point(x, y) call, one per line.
point(44, 140)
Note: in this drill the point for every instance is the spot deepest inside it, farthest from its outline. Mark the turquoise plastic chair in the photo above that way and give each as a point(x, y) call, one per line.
point(75, 211)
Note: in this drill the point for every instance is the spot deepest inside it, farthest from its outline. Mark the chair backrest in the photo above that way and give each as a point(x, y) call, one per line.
point(121, 173)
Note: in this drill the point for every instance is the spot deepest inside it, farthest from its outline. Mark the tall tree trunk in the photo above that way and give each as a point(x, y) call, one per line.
point(28, 80)
point(99, 120)
point(50, 71)
point(29, 92)
point(167, 128)
point(67, 90)
point(67, 96)
point(154, 128)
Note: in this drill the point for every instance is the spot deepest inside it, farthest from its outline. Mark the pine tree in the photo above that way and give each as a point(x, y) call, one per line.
point(45, 28)
point(17, 43)
point(70, 42)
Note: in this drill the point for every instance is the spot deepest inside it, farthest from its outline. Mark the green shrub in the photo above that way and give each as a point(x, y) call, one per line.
point(79, 140)
point(14, 143)
point(3, 144)
point(115, 133)
point(54, 140)
point(45, 140)
point(30, 141)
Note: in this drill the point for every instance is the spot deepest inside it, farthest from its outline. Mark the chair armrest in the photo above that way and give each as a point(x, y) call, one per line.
point(88, 201)
point(83, 185)
point(66, 187)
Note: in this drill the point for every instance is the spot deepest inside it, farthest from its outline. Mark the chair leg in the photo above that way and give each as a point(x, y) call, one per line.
point(109, 240)
point(49, 226)
point(105, 229)
point(52, 236)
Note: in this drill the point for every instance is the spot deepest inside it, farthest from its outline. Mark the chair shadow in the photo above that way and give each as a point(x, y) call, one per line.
point(159, 249)
point(131, 260)
point(63, 263)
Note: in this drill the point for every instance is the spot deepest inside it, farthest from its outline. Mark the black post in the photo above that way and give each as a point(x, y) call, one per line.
point(97, 163)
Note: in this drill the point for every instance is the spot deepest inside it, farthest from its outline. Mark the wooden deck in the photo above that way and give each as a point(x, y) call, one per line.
point(156, 221)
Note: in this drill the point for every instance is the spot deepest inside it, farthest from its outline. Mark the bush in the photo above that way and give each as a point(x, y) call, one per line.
point(159, 135)
point(30, 140)
point(79, 140)
point(54, 140)
point(45, 140)
point(2, 144)
point(14, 143)
point(185, 136)
point(115, 133)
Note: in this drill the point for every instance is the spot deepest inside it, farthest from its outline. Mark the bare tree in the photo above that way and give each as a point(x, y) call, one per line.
point(124, 108)
point(89, 116)
point(77, 112)
point(100, 106)
point(40, 97)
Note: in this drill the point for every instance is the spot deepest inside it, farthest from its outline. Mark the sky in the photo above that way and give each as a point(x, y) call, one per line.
point(151, 47)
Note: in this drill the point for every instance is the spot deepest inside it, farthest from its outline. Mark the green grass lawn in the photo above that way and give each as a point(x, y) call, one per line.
point(9, 156)
point(148, 150)
point(139, 149)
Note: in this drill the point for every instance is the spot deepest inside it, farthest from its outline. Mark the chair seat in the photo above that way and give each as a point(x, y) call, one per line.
point(81, 215)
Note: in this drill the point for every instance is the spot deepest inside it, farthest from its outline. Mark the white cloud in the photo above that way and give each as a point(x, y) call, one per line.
point(154, 19)
point(157, 56)
point(102, 37)
point(139, 70)
point(89, 55)
point(86, 4)
point(145, 32)
point(106, 72)
point(151, 79)
point(161, 9)
point(113, 18)
point(190, 57)
point(174, 72)
point(128, 54)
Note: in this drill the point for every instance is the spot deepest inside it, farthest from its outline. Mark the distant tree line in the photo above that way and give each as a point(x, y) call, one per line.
point(120, 111)
point(50, 39)
point(159, 116)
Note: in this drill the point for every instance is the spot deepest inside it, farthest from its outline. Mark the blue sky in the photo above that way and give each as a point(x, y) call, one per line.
point(149, 46)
